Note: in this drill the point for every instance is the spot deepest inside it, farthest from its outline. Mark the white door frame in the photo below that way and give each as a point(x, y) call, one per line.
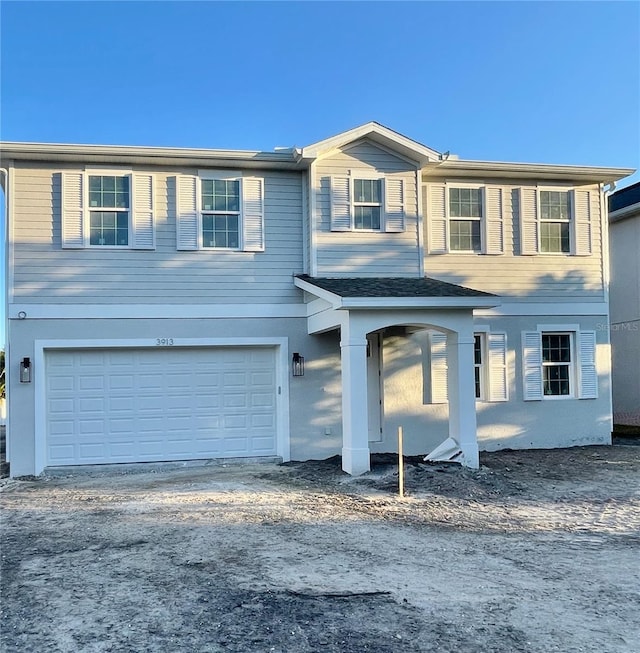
point(283, 447)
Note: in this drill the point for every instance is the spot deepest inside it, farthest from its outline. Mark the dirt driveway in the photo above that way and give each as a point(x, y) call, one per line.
point(537, 551)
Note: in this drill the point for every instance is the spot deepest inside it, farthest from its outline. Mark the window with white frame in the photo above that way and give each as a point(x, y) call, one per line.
point(556, 364)
point(109, 206)
point(367, 204)
point(465, 219)
point(220, 202)
point(555, 219)
point(559, 363)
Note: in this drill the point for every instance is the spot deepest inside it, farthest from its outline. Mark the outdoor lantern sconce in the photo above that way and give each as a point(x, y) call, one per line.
point(25, 370)
point(297, 364)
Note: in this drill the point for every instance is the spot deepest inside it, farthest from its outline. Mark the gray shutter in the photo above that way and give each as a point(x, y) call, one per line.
point(581, 202)
point(497, 350)
point(528, 221)
point(438, 342)
point(340, 204)
point(494, 220)
point(72, 210)
point(588, 373)
point(253, 214)
point(187, 236)
point(394, 200)
point(532, 365)
point(142, 219)
point(437, 219)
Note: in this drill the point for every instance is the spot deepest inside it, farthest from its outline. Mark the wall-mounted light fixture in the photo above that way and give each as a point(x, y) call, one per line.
point(25, 370)
point(297, 364)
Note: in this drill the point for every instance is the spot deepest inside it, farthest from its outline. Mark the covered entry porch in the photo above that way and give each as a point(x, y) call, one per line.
point(360, 307)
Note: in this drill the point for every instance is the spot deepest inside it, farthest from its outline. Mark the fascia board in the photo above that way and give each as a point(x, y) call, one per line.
point(355, 303)
point(624, 213)
point(332, 298)
point(505, 170)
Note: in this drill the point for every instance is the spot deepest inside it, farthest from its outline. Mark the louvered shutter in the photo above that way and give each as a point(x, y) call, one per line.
point(142, 219)
point(187, 236)
point(532, 365)
point(494, 221)
point(528, 221)
point(497, 350)
point(72, 210)
point(588, 374)
point(394, 205)
point(437, 219)
point(340, 204)
point(253, 214)
point(581, 200)
point(438, 342)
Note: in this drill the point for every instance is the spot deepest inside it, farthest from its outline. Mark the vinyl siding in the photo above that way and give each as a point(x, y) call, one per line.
point(541, 277)
point(46, 273)
point(358, 253)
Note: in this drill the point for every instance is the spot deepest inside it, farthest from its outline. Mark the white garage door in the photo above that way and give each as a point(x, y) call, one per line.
point(110, 406)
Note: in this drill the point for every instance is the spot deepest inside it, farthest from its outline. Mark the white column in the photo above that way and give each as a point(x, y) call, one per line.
point(462, 395)
point(355, 415)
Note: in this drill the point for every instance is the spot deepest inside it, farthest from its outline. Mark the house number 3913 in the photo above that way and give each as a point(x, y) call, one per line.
point(164, 342)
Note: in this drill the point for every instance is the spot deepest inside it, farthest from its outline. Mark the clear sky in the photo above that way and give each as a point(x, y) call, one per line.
point(551, 82)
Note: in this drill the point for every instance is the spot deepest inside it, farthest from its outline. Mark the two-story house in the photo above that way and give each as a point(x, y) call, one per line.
point(181, 304)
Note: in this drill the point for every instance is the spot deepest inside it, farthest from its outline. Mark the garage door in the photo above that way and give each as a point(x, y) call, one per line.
point(111, 406)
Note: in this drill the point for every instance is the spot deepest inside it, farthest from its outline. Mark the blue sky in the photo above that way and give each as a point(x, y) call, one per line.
point(553, 82)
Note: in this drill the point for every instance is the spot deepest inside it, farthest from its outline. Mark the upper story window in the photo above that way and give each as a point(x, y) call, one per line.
point(109, 205)
point(367, 204)
point(465, 217)
point(220, 213)
point(219, 209)
point(555, 218)
point(107, 208)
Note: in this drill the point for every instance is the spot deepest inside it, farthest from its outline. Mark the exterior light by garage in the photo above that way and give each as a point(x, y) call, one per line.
point(297, 364)
point(25, 370)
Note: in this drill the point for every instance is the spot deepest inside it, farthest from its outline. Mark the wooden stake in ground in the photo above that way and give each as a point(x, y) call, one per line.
point(400, 464)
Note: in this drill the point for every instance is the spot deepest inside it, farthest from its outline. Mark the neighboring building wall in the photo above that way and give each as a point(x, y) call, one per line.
point(624, 243)
point(512, 275)
point(361, 253)
point(44, 273)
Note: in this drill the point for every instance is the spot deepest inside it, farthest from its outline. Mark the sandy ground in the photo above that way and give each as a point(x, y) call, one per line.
point(538, 551)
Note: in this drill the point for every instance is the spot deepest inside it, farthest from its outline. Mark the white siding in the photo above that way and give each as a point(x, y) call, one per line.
point(541, 277)
point(46, 273)
point(358, 253)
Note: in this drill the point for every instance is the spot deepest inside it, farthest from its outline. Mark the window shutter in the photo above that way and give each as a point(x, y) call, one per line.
point(497, 350)
point(581, 202)
point(494, 221)
point(588, 374)
point(72, 210)
point(187, 236)
point(528, 221)
point(253, 214)
point(142, 220)
point(532, 365)
point(394, 205)
point(340, 204)
point(439, 394)
point(437, 219)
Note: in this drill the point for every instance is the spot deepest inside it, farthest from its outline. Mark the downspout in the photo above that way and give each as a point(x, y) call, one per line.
point(7, 361)
point(606, 190)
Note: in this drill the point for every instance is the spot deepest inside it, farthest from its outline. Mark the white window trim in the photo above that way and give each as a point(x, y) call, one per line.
point(221, 175)
point(364, 176)
point(483, 365)
point(102, 172)
point(448, 185)
point(570, 221)
point(572, 365)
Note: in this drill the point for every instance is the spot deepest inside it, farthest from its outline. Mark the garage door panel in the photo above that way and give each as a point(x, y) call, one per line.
point(170, 404)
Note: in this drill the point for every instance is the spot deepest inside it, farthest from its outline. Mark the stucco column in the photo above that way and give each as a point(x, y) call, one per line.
point(462, 395)
point(355, 416)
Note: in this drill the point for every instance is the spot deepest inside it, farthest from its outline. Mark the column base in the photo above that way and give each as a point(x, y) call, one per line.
point(356, 461)
point(470, 456)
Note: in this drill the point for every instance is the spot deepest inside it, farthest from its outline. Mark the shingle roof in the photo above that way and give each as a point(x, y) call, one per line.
point(624, 197)
point(392, 287)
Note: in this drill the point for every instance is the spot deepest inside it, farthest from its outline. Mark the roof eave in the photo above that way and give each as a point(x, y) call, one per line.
point(503, 170)
point(625, 212)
